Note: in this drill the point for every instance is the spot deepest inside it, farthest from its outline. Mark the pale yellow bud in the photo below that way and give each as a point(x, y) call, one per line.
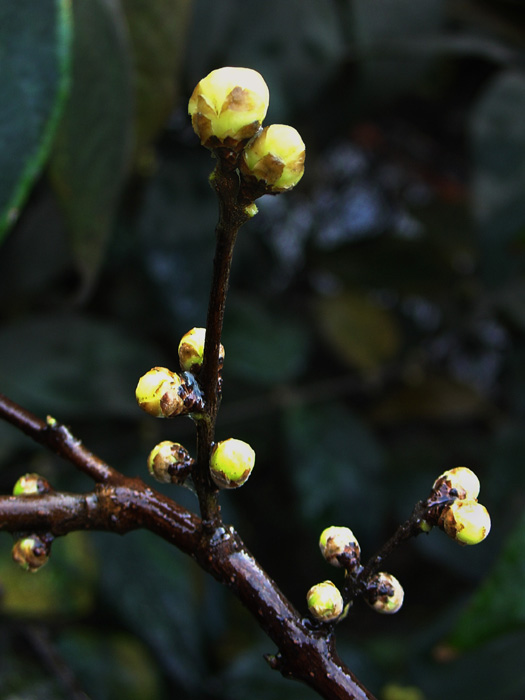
point(386, 593)
point(460, 480)
point(231, 463)
point(31, 553)
point(159, 393)
point(275, 157)
point(169, 462)
point(228, 106)
point(466, 521)
point(339, 544)
point(325, 601)
point(191, 350)
point(31, 485)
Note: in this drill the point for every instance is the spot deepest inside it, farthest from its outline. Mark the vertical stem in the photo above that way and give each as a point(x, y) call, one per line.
point(232, 215)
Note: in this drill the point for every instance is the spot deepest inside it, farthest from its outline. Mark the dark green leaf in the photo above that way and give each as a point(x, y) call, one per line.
point(498, 606)
point(263, 347)
point(295, 64)
point(111, 666)
point(72, 366)
point(35, 40)
point(92, 150)
point(498, 137)
point(151, 588)
point(157, 31)
point(335, 464)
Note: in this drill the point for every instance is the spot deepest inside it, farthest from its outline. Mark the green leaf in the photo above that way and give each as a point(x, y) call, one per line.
point(295, 64)
point(35, 41)
point(92, 150)
point(335, 464)
point(111, 666)
point(263, 347)
point(72, 366)
point(153, 590)
point(362, 333)
point(498, 141)
point(157, 30)
point(498, 607)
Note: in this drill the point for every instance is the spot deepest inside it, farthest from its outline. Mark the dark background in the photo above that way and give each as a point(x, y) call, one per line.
point(375, 332)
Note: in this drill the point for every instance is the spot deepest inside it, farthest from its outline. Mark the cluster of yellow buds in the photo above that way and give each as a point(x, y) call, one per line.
point(227, 109)
point(340, 548)
point(164, 394)
point(463, 518)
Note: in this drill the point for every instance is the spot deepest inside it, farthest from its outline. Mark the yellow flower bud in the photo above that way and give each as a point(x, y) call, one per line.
point(325, 601)
point(231, 463)
point(466, 521)
point(386, 593)
point(461, 481)
point(159, 393)
point(31, 553)
point(30, 485)
point(191, 350)
point(169, 462)
point(339, 546)
point(228, 106)
point(275, 157)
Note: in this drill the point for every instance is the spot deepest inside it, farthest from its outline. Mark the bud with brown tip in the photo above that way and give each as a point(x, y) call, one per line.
point(466, 521)
point(31, 552)
point(339, 546)
point(170, 463)
point(164, 394)
point(31, 485)
point(384, 593)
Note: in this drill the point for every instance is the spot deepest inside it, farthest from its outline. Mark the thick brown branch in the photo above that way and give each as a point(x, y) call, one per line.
point(305, 653)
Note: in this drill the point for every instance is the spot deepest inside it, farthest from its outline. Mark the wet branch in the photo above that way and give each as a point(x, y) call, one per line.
point(121, 504)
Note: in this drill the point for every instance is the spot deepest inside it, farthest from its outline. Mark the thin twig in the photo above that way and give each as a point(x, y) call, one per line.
point(57, 438)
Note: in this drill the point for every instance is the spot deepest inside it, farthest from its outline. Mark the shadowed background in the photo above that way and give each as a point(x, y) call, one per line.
point(375, 331)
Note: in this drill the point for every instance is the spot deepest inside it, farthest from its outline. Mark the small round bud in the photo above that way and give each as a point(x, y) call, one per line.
point(169, 462)
point(466, 521)
point(191, 350)
point(339, 546)
point(31, 553)
point(31, 485)
point(231, 463)
point(325, 601)
point(159, 393)
point(275, 157)
point(425, 526)
point(385, 593)
point(460, 481)
point(228, 106)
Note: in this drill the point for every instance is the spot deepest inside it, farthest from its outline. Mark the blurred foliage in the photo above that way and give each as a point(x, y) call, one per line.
point(375, 334)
